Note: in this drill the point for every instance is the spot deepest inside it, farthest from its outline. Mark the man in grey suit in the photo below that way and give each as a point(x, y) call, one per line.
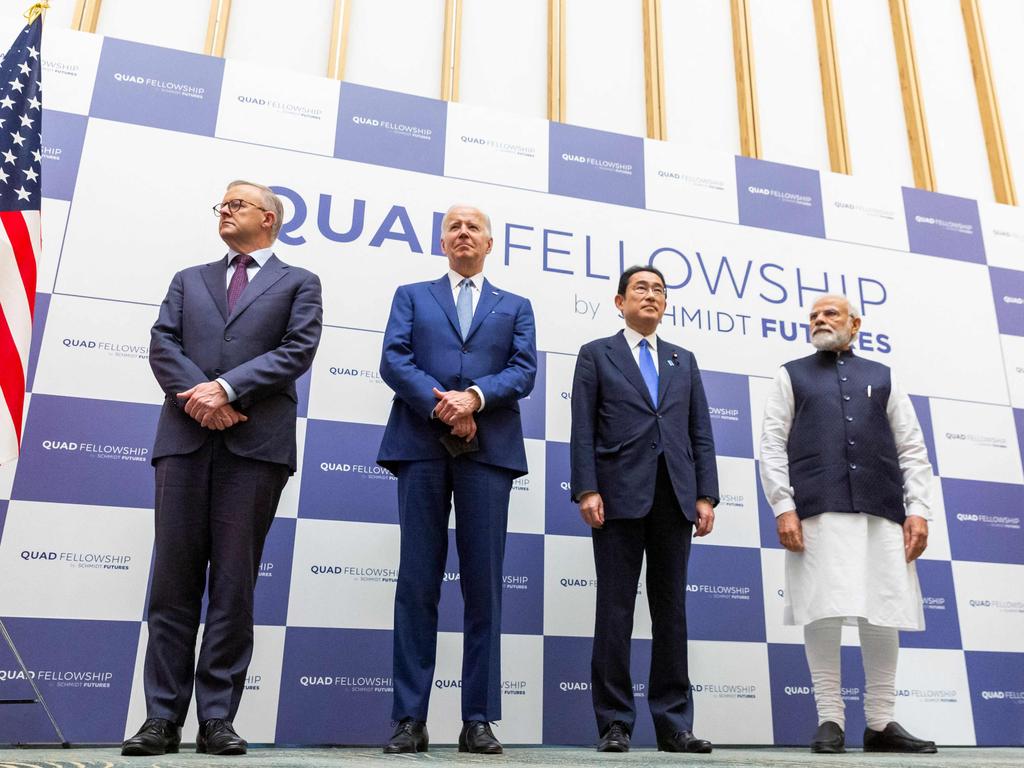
point(230, 341)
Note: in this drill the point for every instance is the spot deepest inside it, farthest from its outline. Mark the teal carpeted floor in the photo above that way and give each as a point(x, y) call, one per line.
point(540, 757)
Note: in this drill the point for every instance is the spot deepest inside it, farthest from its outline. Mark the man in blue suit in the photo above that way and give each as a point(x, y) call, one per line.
point(643, 474)
point(459, 354)
point(230, 341)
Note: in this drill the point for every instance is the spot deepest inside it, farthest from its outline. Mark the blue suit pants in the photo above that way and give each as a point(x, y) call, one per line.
point(480, 492)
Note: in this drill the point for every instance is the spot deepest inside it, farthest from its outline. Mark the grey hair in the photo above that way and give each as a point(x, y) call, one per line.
point(854, 312)
point(487, 219)
point(270, 201)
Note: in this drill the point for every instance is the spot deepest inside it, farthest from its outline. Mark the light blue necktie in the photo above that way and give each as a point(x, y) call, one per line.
point(464, 306)
point(648, 371)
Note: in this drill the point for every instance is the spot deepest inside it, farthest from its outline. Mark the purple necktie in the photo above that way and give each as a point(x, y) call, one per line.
point(238, 280)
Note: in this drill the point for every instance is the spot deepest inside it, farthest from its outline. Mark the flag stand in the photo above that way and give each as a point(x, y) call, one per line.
point(39, 694)
point(25, 50)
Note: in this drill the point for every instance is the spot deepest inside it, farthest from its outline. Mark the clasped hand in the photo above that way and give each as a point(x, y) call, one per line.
point(454, 405)
point(207, 403)
point(456, 409)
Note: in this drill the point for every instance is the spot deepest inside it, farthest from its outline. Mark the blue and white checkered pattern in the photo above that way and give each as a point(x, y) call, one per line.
point(136, 137)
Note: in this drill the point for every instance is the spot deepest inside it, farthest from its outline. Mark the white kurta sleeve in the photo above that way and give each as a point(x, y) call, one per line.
point(911, 451)
point(778, 420)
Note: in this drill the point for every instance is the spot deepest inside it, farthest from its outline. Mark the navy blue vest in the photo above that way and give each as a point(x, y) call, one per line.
point(842, 455)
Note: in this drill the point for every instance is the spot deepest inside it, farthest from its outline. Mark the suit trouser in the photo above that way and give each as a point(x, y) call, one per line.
point(425, 493)
point(664, 534)
point(213, 509)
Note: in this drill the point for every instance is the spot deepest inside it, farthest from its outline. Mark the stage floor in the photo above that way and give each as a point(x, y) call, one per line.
point(540, 757)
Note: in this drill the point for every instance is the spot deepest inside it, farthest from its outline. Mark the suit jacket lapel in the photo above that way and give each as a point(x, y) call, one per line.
point(442, 290)
point(265, 277)
point(214, 277)
point(622, 358)
point(489, 297)
point(666, 370)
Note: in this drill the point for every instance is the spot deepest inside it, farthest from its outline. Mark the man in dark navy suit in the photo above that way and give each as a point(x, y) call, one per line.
point(231, 339)
point(643, 474)
point(459, 354)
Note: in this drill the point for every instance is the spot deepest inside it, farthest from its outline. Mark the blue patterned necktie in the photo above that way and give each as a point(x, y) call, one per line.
point(648, 371)
point(464, 306)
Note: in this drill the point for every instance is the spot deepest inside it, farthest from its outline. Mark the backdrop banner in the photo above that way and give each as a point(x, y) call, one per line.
point(139, 141)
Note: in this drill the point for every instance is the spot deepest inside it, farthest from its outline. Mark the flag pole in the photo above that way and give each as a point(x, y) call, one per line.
point(33, 13)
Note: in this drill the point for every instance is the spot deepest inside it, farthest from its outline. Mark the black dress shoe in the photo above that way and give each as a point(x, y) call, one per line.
point(409, 736)
point(895, 739)
point(615, 739)
point(156, 737)
point(218, 737)
point(476, 737)
point(829, 739)
point(683, 741)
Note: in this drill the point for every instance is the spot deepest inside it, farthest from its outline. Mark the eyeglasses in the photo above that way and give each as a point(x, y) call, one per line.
point(642, 289)
point(233, 206)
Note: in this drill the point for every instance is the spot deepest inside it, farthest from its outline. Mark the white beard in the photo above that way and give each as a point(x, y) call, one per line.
point(830, 341)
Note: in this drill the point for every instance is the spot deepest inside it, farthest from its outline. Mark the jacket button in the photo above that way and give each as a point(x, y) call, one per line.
point(465, 351)
point(841, 362)
point(851, 442)
point(849, 418)
point(846, 397)
point(853, 466)
point(227, 338)
point(654, 445)
point(659, 415)
point(843, 378)
point(217, 371)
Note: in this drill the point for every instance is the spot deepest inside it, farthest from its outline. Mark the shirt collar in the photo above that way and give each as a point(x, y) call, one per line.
point(633, 338)
point(260, 256)
point(835, 355)
point(455, 278)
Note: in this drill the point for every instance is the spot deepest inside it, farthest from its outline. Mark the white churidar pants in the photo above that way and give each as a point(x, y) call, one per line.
point(879, 647)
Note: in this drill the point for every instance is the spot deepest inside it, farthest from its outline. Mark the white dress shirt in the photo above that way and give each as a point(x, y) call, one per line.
point(478, 283)
point(259, 258)
point(853, 565)
point(633, 338)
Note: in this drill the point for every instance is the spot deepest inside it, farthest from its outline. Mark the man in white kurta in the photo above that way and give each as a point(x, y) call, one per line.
point(846, 471)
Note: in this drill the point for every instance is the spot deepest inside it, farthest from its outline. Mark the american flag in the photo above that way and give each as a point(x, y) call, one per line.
point(21, 113)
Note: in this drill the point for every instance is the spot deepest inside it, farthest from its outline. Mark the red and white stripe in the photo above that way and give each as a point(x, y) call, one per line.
point(19, 253)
